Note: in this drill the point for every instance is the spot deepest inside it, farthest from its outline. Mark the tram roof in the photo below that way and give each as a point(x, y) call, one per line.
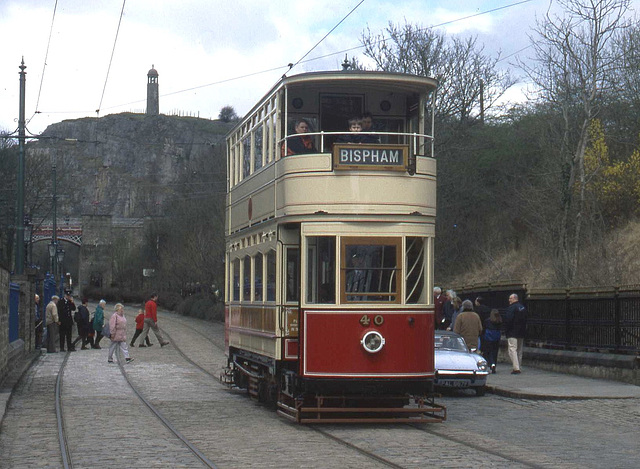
point(360, 79)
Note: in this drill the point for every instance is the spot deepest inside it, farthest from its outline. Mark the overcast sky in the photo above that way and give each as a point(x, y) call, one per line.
point(202, 48)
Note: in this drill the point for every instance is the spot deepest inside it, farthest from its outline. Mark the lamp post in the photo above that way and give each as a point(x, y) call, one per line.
point(19, 267)
point(28, 236)
point(54, 260)
point(60, 258)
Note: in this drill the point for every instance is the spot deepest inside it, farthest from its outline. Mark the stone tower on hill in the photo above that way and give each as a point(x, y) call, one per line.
point(153, 95)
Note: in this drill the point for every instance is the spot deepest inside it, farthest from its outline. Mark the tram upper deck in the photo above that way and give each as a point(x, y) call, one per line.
point(269, 177)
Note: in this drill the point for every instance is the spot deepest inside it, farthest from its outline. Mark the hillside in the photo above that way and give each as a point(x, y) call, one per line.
point(125, 164)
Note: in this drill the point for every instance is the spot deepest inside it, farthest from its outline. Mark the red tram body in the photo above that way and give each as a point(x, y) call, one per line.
point(329, 249)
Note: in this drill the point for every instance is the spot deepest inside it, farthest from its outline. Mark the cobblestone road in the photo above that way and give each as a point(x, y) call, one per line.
point(234, 431)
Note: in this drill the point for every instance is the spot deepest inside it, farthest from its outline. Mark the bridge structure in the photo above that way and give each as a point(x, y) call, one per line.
point(95, 236)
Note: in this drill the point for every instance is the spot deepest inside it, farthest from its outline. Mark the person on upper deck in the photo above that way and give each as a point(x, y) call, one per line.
point(354, 136)
point(299, 144)
point(367, 126)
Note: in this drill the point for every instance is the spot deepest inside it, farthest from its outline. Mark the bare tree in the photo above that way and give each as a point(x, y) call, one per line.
point(576, 59)
point(470, 82)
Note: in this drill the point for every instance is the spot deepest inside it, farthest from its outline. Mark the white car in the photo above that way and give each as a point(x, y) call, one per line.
point(457, 367)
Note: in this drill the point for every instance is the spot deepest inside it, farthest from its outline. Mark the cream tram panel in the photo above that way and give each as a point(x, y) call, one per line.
point(301, 192)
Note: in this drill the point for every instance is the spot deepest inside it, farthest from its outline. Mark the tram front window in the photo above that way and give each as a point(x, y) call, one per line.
point(370, 271)
point(321, 268)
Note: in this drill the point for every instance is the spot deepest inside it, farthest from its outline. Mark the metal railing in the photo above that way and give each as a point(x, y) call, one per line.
point(598, 319)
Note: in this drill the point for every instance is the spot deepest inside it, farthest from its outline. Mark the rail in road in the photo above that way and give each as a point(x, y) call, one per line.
point(106, 424)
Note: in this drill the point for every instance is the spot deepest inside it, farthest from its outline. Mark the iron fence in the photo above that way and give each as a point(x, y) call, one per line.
point(597, 319)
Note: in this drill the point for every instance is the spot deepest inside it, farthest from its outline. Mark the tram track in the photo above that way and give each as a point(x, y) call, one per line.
point(362, 451)
point(481, 447)
point(65, 452)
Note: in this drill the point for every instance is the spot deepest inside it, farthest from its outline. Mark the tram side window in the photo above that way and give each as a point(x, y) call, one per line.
point(370, 271)
point(257, 278)
point(321, 268)
point(246, 275)
point(293, 274)
point(236, 280)
point(271, 275)
point(416, 258)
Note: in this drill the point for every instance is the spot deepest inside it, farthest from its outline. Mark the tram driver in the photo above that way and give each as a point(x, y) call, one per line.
point(299, 144)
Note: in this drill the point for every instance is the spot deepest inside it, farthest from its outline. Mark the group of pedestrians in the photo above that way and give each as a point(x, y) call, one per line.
point(59, 318)
point(481, 327)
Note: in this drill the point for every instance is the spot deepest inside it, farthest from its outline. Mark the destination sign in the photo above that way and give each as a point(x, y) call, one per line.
point(370, 156)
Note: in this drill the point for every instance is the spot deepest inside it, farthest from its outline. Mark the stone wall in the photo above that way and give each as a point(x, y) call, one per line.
point(4, 322)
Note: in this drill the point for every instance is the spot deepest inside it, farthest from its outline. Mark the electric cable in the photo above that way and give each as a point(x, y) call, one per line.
point(44, 65)
point(115, 41)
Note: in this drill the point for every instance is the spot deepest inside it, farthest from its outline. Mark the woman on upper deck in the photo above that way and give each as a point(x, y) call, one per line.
point(300, 143)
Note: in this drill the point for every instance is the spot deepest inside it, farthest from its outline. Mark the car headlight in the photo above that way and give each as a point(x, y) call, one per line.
point(482, 364)
point(372, 341)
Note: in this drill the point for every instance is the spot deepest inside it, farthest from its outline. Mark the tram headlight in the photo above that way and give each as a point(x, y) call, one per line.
point(372, 341)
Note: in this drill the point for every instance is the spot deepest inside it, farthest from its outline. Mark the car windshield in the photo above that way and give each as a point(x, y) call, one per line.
point(450, 343)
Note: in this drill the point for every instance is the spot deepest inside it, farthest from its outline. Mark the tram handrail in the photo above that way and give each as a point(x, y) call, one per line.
point(322, 134)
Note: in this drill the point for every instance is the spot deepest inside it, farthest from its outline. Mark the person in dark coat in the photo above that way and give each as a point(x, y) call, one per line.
point(515, 327)
point(491, 339)
point(66, 307)
point(438, 302)
point(82, 322)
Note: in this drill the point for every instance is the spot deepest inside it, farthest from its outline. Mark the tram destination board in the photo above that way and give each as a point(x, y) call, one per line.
point(370, 156)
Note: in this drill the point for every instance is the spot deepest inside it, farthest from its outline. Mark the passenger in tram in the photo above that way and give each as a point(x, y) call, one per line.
point(354, 136)
point(299, 144)
point(367, 126)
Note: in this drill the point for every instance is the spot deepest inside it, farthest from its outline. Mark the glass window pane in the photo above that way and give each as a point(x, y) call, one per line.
point(271, 276)
point(415, 276)
point(293, 274)
point(257, 291)
point(246, 290)
point(246, 156)
point(321, 268)
point(236, 281)
point(257, 157)
point(370, 272)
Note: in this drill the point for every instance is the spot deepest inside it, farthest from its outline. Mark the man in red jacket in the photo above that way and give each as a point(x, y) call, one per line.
point(151, 321)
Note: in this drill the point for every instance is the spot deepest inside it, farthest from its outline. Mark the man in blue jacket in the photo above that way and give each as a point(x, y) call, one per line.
point(515, 326)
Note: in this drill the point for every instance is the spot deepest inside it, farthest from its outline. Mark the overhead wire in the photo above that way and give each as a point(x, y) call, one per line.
point(44, 65)
point(113, 50)
point(302, 59)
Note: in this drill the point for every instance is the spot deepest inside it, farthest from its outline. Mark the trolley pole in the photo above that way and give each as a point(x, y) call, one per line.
point(19, 267)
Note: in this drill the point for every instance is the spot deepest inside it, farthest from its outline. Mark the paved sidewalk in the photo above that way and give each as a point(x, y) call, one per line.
point(534, 383)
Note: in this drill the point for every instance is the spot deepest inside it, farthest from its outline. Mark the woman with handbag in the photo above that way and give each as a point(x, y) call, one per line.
point(118, 333)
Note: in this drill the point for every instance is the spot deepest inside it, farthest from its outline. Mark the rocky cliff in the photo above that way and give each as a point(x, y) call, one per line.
point(125, 165)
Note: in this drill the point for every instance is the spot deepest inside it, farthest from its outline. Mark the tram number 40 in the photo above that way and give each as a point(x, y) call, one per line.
point(378, 320)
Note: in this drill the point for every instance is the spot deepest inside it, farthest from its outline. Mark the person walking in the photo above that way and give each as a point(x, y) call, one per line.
point(82, 322)
point(491, 339)
point(515, 327)
point(118, 328)
point(468, 325)
point(52, 323)
point(66, 307)
point(139, 329)
point(438, 303)
point(151, 321)
point(98, 322)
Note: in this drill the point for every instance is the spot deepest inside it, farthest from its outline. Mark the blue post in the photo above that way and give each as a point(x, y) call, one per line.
point(14, 304)
point(49, 289)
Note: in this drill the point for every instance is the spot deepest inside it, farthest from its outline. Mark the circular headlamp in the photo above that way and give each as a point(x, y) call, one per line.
point(372, 341)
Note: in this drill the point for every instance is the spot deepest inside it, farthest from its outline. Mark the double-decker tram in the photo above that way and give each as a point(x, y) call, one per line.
point(330, 224)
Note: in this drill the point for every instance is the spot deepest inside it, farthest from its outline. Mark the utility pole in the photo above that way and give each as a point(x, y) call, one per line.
point(19, 267)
